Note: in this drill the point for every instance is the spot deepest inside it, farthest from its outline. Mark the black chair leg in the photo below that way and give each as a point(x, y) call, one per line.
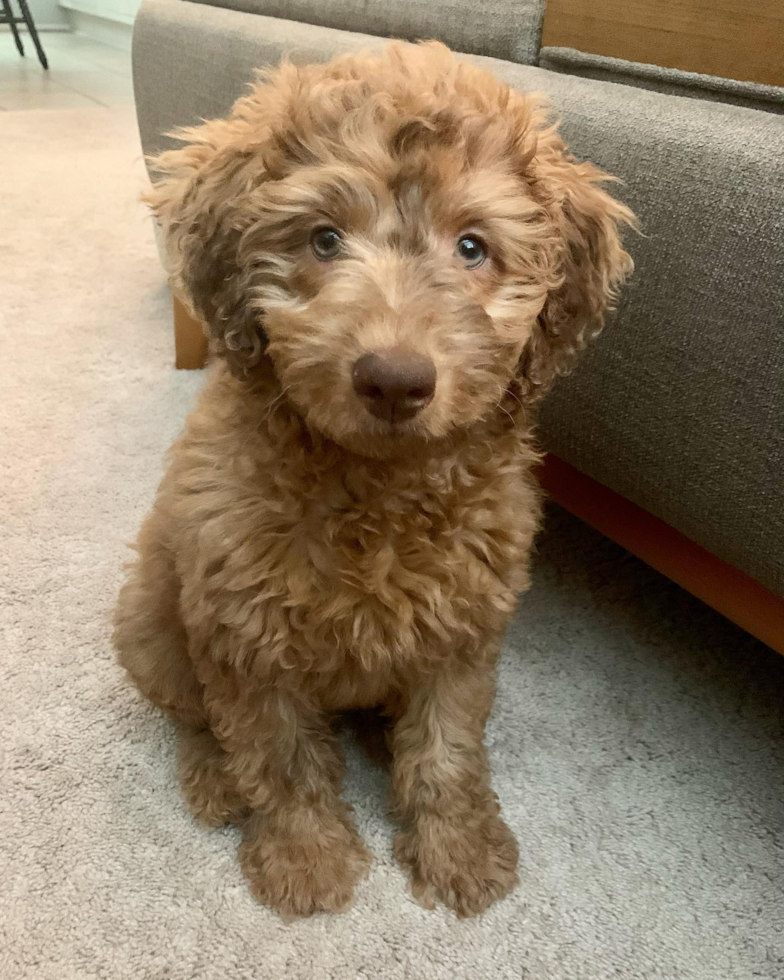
point(11, 21)
point(26, 15)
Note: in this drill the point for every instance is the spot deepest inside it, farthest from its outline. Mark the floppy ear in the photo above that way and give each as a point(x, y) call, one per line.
point(195, 197)
point(591, 265)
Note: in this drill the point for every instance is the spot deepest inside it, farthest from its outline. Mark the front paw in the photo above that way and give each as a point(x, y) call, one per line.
point(467, 864)
point(297, 874)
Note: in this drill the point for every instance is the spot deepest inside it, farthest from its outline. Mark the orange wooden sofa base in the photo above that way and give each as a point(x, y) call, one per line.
point(190, 342)
point(729, 591)
point(721, 586)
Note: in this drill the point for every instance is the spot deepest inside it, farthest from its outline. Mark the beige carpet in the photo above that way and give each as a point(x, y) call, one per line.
point(637, 740)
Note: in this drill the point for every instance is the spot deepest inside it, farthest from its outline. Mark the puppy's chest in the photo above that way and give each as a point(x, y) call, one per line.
point(383, 548)
point(412, 560)
point(361, 573)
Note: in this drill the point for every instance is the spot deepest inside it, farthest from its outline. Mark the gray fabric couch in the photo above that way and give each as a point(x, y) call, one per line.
point(680, 404)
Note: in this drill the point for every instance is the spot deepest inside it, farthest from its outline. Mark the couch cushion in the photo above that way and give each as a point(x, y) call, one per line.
point(670, 81)
point(508, 29)
point(679, 406)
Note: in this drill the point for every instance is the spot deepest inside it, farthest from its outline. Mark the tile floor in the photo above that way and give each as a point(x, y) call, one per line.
point(82, 72)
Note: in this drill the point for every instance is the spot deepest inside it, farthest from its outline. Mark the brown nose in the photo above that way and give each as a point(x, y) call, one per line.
point(395, 384)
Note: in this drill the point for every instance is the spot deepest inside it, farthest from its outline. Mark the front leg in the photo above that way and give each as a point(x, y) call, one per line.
point(453, 840)
point(300, 852)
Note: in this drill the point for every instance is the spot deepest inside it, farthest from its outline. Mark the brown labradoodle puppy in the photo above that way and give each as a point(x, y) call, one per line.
point(394, 255)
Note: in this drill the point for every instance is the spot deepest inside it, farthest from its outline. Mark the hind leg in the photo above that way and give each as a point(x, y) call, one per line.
point(152, 646)
point(209, 790)
point(150, 638)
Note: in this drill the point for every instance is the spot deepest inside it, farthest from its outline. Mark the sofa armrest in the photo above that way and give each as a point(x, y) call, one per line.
point(509, 29)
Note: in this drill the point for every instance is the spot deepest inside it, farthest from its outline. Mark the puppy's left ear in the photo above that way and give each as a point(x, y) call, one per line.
point(197, 199)
point(590, 267)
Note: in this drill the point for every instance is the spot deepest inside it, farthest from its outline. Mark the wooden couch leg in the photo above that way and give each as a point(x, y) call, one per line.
point(190, 343)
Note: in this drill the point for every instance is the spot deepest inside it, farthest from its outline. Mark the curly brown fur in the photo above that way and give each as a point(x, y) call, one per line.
point(304, 557)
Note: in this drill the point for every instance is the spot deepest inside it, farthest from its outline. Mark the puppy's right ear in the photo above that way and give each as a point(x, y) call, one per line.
point(196, 199)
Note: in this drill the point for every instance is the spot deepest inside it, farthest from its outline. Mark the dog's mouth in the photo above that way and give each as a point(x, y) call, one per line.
point(381, 438)
point(392, 429)
point(399, 431)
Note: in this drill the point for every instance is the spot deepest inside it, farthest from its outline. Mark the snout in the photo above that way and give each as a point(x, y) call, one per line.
point(394, 384)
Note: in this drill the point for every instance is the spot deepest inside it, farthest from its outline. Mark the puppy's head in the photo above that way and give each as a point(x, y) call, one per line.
point(401, 234)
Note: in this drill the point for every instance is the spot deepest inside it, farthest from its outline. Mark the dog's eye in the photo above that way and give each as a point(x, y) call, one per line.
point(471, 251)
point(326, 243)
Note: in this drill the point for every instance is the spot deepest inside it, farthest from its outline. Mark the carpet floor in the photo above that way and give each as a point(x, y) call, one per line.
point(636, 741)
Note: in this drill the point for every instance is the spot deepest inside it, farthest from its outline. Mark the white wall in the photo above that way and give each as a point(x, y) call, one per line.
point(119, 11)
point(54, 13)
point(46, 13)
